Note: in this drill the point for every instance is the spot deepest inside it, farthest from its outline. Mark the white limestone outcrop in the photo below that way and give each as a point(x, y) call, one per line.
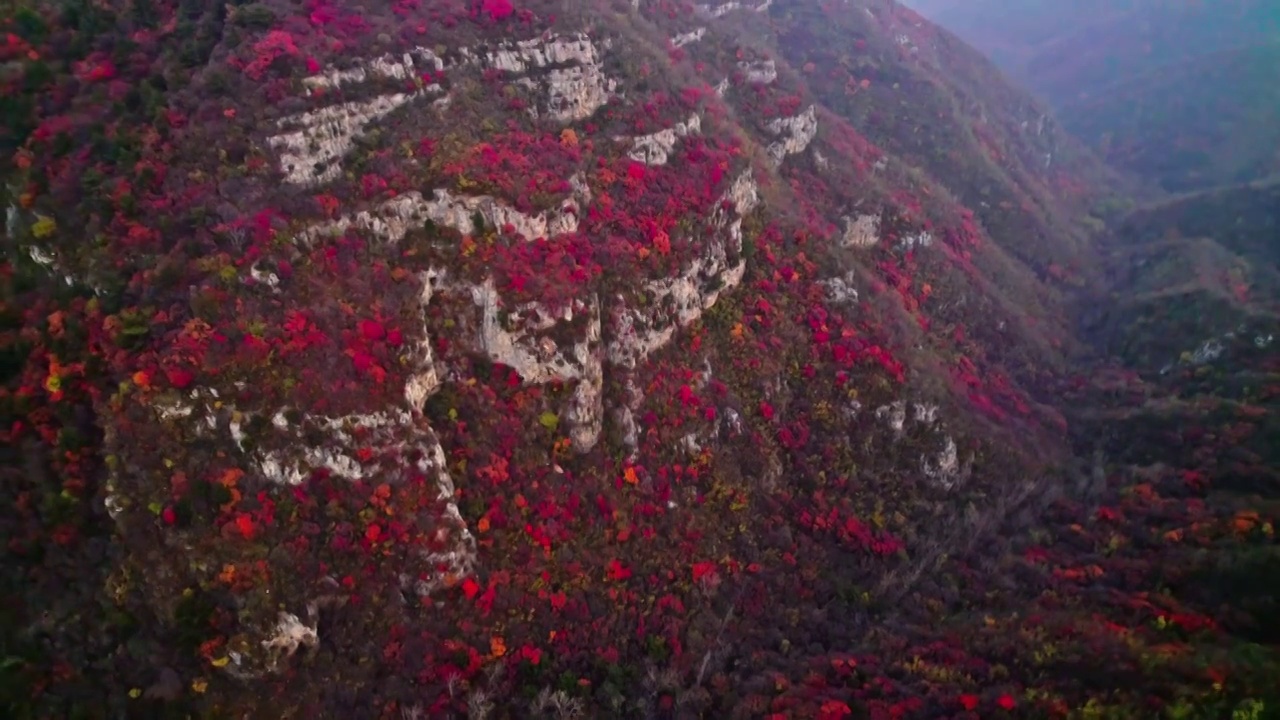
point(744, 193)
point(291, 634)
point(895, 416)
point(574, 93)
point(520, 338)
point(522, 56)
point(862, 232)
point(944, 469)
point(922, 239)
point(692, 36)
point(342, 450)
point(572, 81)
point(517, 57)
point(926, 413)
point(284, 636)
point(566, 72)
point(759, 71)
point(528, 338)
point(404, 67)
point(524, 339)
point(512, 337)
point(312, 154)
point(718, 10)
point(394, 218)
point(670, 303)
point(424, 377)
point(726, 8)
point(624, 415)
point(841, 290)
point(655, 148)
point(586, 409)
point(796, 134)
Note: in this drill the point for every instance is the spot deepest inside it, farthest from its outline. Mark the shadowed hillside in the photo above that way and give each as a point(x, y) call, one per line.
point(1192, 315)
point(1196, 270)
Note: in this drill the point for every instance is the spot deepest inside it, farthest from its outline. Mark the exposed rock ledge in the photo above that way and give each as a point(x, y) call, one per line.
point(655, 148)
point(685, 38)
point(571, 86)
point(863, 232)
point(759, 71)
point(797, 132)
point(395, 217)
point(399, 440)
point(311, 154)
point(678, 301)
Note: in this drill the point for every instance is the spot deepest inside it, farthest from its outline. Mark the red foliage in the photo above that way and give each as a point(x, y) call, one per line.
point(617, 571)
point(497, 9)
point(766, 410)
point(470, 588)
point(245, 526)
point(834, 710)
point(275, 45)
point(703, 569)
point(372, 330)
point(97, 70)
point(179, 378)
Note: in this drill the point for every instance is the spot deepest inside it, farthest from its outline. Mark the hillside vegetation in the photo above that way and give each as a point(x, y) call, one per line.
point(632, 358)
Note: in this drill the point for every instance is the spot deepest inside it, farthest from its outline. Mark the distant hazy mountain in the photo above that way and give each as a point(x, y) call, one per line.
point(1184, 93)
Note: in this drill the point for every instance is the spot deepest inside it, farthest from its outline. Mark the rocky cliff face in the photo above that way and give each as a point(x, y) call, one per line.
point(446, 353)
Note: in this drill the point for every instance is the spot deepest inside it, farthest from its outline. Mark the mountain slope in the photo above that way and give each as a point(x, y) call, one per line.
point(1201, 122)
point(1181, 94)
point(1200, 266)
point(452, 357)
point(1192, 314)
